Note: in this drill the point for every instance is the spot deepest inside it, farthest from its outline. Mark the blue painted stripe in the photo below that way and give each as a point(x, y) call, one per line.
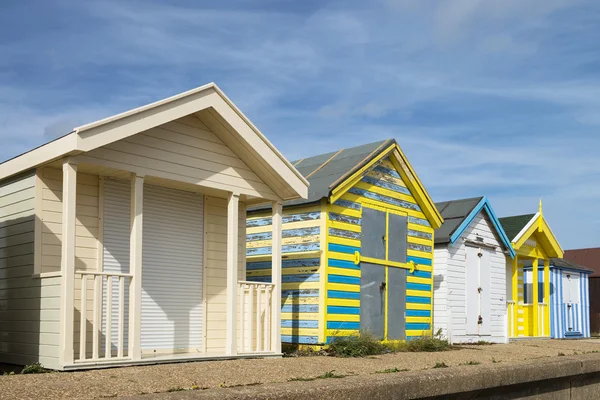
point(288, 248)
point(419, 221)
point(421, 274)
point(385, 199)
point(287, 278)
point(420, 300)
point(300, 293)
point(298, 262)
point(344, 218)
point(343, 325)
point(299, 323)
point(341, 248)
point(387, 171)
point(299, 339)
point(418, 286)
point(418, 313)
point(343, 310)
point(351, 280)
point(419, 260)
point(343, 233)
point(419, 234)
point(332, 262)
point(416, 326)
point(308, 308)
point(286, 219)
point(419, 247)
point(286, 233)
point(348, 204)
point(386, 185)
point(338, 294)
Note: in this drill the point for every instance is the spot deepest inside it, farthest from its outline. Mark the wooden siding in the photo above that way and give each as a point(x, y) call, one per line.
point(29, 307)
point(215, 269)
point(450, 313)
point(184, 150)
point(301, 268)
point(577, 316)
point(381, 187)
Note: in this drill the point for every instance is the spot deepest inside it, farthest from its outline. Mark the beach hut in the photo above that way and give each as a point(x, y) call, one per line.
point(471, 248)
point(358, 253)
point(590, 258)
point(569, 298)
point(534, 244)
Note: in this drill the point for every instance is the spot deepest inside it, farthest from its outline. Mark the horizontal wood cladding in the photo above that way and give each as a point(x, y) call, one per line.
point(183, 150)
point(29, 307)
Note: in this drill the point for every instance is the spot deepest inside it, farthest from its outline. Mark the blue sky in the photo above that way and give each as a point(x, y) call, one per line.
point(496, 98)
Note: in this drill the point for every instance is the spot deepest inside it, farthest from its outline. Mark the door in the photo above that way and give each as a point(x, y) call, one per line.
point(172, 273)
point(397, 244)
point(570, 298)
point(372, 277)
point(478, 293)
point(115, 252)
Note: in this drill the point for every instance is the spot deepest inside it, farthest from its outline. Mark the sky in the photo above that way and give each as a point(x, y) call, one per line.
point(494, 98)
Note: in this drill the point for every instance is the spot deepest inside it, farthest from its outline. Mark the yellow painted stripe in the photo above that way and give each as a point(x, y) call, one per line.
point(343, 287)
point(287, 211)
point(302, 316)
point(420, 228)
point(344, 272)
point(419, 333)
point(421, 254)
point(341, 256)
point(417, 240)
point(300, 285)
point(336, 332)
point(386, 192)
point(344, 211)
point(300, 331)
point(344, 225)
point(426, 268)
point(416, 279)
point(284, 241)
point(343, 302)
point(363, 200)
point(289, 225)
point(419, 293)
point(344, 241)
point(418, 306)
point(426, 320)
point(343, 317)
point(299, 300)
point(287, 256)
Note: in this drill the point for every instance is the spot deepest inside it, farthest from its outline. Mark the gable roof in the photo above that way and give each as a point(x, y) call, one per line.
point(331, 174)
point(459, 214)
point(324, 170)
point(514, 225)
point(258, 151)
point(590, 258)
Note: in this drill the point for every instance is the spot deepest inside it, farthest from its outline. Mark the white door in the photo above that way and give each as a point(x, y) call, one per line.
point(115, 220)
point(172, 254)
point(478, 291)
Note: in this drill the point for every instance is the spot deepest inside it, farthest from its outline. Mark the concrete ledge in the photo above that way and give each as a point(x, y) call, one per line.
point(574, 377)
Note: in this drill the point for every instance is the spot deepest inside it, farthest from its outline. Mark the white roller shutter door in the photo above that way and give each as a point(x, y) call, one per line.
point(116, 220)
point(172, 270)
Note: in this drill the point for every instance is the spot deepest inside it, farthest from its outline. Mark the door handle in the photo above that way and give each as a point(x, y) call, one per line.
point(382, 286)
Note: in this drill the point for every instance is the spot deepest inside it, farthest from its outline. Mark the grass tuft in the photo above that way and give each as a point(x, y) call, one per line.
point(391, 371)
point(472, 363)
point(356, 346)
point(35, 368)
point(440, 365)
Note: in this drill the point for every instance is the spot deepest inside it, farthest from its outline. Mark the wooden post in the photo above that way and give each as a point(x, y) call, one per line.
point(276, 277)
point(232, 273)
point(135, 267)
point(66, 356)
point(535, 295)
point(514, 323)
point(547, 297)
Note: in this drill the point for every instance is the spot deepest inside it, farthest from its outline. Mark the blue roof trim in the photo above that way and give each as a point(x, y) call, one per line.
point(484, 204)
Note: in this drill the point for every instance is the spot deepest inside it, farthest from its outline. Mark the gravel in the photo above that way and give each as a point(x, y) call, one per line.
point(131, 381)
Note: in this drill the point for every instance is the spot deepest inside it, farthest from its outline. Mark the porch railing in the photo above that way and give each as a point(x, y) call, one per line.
point(512, 320)
point(255, 305)
point(109, 290)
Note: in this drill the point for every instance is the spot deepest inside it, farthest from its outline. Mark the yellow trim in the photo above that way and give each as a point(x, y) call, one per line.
point(344, 317)
point(343, 225)
point(385, 192)
point(426, 332)
point(343, 302)
point(419, 293)
point(344, 272)
point(344, 186)
point(290, 225)
point(418, 306)
point(416, 279)
point(418, 240)
point(340, 256)
point(422, 228)
point(299, 285)
point(284, 241)
point(426, 320)
point(344, 287)
point(344, 332)
point(344, 241)
point(546, 239)
point(286, 256)
point(323, 271)
point(298, 315)
point(300, 300)
point(350, 212)
point(300, 331)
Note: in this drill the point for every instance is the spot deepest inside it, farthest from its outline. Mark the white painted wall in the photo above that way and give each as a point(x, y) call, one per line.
point(29, 307)
point(450, 299)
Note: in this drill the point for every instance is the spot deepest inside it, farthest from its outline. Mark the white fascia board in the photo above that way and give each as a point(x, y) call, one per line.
point(526, 227)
